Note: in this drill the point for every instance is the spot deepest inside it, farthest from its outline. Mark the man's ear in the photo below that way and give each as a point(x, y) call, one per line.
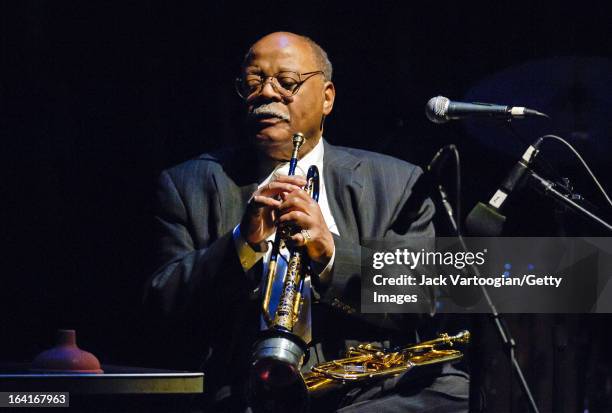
point(329, 95)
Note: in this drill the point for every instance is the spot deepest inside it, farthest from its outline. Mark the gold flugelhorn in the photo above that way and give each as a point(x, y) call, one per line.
point(368, 362)
point(279, 353)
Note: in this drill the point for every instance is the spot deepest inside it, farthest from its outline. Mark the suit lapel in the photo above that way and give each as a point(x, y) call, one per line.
point(234, 187)
point(236, 201)
point(343, 189)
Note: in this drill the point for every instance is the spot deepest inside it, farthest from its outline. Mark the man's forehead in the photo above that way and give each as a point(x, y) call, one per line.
point(280, 49)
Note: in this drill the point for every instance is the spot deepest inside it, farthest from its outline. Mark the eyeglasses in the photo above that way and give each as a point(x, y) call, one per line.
point(285, 83)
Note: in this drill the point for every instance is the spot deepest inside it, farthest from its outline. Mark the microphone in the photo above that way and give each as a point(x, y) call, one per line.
point(486, 219)
point(440, 110)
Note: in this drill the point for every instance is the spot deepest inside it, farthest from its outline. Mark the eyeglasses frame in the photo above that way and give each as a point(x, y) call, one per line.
point(264, 79)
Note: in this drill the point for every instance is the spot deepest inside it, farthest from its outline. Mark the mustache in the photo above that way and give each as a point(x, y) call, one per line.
point(269, 110)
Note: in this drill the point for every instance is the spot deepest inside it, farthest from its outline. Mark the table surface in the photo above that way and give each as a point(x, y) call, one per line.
point(114, 380)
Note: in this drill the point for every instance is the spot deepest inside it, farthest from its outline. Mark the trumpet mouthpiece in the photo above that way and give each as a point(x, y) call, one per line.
point(298, 139)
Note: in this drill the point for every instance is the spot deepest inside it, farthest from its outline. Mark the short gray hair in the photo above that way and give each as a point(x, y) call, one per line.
point(321, 57)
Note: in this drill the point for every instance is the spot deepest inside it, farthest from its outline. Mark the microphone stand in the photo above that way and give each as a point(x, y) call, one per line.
point(548, 189)
point(502, 328)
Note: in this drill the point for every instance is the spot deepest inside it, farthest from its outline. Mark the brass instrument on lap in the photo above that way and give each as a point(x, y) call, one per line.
point(369, 362)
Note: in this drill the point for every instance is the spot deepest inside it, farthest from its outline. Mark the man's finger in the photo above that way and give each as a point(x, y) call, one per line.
point(266, 201)
point(302, 195)
point(275, 188)
point(298, 239)
point(294, 179)
point(291, 203)
point(300, 218)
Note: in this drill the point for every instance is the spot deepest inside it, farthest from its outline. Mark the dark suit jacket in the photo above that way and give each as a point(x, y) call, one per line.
point(200, 287)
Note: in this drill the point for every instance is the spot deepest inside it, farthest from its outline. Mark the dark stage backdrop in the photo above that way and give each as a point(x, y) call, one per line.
point(99, 97)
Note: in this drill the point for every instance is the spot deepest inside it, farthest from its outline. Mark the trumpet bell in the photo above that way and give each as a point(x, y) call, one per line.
point(276, 384)
point(277, 360)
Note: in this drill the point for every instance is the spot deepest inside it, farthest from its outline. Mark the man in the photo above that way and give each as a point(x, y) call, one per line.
point(216, 213)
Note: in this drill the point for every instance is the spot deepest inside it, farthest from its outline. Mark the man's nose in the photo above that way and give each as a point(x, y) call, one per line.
point(269, 92)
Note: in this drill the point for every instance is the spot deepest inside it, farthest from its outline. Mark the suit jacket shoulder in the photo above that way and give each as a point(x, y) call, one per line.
point(198, 170)
point(213, 189)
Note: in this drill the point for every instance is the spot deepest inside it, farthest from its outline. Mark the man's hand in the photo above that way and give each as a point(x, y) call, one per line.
point(259, 218)
point(300, 209)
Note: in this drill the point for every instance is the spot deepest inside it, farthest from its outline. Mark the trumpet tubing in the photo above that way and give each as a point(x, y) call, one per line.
point(288, 304)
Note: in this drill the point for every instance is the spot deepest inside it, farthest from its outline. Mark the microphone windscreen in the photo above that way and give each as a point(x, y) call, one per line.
point(484, 221)
point(436, 109)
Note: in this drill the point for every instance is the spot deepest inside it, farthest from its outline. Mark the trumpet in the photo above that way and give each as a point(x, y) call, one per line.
point(276, 382)
point(279, 354)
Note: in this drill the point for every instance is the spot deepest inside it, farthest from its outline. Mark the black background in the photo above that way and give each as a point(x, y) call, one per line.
point(99, 97)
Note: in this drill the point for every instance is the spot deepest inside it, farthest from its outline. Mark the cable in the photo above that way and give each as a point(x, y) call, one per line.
point(435, 166)
point(546, 165)
point(457, 186)
point(569, 145)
